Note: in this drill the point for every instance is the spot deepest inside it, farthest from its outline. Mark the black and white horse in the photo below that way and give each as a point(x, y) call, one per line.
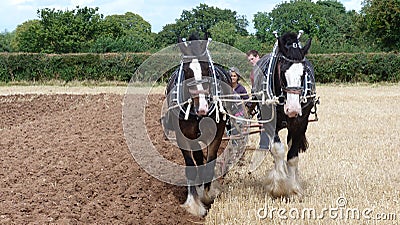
point(196, 117)
point(290, 79)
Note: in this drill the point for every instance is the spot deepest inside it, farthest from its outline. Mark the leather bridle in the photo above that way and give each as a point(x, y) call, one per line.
point(290, 90)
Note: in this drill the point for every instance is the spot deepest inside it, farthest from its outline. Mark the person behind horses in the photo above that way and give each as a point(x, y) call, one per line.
point(237, 87)
point(240, 90)
point(253, 57)
point(235, 125)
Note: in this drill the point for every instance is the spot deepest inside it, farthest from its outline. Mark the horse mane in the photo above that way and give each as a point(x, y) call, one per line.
point(223, 74)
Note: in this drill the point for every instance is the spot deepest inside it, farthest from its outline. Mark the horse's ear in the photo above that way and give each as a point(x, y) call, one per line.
point(306, 47)
point(204, 43)
point(180, 44)
point(206, 35)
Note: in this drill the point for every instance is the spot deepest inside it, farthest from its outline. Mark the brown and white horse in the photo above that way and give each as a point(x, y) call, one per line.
point(292, 82)
point(197, 120)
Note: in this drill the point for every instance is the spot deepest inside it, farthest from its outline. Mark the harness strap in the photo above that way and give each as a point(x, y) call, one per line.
point(216, 112)
point(222, 109)
point(292, 60)
point(188, 109)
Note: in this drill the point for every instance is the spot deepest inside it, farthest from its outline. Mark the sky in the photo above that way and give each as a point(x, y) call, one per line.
point(157, 12)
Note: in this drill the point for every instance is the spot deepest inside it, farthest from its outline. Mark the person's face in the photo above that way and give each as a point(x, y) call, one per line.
point(234, 77)
point(253, 59)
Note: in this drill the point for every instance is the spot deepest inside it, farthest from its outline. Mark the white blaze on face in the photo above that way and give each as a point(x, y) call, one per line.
point(293, 77)
point(203, 106)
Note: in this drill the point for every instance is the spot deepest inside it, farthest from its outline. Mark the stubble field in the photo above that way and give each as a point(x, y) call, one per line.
point(65, 160)
point(350, 173)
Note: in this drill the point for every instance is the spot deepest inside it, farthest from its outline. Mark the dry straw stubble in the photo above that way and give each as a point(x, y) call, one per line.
point(350, 173)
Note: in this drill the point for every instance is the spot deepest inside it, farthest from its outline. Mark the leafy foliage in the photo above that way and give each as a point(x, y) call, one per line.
point(202, 18)
point(365, 67)
point(167, 36)
point(28, 37)
point(124, 33)
point(5, 41)
point(327, 22)
point(69, 67)
point(83, 30)
point(358, 67)
point(69, 31)
point(382, 23)
point(224, 32)
point(332, 28)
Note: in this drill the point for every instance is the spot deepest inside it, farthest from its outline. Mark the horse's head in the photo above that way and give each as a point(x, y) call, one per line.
point(291, 71)
point(196, 70)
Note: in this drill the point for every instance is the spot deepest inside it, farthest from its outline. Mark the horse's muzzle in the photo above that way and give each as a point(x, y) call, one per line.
point(292, 106)
point(202, 112)
point(200, 100)
point(202, 107)
point(291, 114)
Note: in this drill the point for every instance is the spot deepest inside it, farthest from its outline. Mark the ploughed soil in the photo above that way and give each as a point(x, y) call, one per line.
point(64, 160)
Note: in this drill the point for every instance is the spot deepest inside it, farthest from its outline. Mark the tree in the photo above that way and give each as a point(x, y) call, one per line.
point(246, 43)
point(326, 21)
point(5, 41)
point(124, 33)
point(69, 31)
point(262, 24)
point(129, 24)
point(382, 22)
point(84, 30)
point(168, 35)
point(338, 28)
point(28, 37)
point(125, 43)
point(224, 32)
point(301, 15)
point(201, 19)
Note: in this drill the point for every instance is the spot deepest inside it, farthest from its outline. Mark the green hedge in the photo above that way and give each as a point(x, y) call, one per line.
point(358, 67)
point(69, 67)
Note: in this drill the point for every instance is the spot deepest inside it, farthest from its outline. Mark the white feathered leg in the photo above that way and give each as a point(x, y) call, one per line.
point(293, 175)
point(277, 180)
point(193, 204)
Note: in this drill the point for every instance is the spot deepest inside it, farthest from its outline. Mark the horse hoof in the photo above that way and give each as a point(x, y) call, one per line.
point(200, 212)
point(195, 207)
point(207, 197)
